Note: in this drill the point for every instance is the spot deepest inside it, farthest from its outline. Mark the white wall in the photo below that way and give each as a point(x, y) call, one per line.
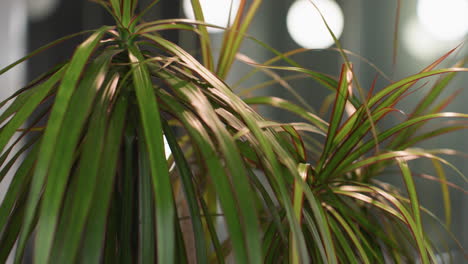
point(14, 15)
point(13, 18)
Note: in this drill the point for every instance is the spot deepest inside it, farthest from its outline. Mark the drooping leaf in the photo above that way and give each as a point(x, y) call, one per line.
point(152, 128)
point(83, 185)
point(94, 232)
point(189, 190)
point(65, 91)
point(79, 107)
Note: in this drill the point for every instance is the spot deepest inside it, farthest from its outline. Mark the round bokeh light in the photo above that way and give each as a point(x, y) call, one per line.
point(216, 12)
point(306, 27)
point(445, 20)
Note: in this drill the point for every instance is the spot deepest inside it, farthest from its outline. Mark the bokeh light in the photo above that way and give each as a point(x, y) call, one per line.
point(423, 45)
point(445, 20)
point(306, 27)
point(216, 12)
point(40, 9)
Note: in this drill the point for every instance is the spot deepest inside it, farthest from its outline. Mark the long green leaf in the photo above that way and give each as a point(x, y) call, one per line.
point(321, 78)
point(235, 166)
point(117, 8)
point(322, 223)
point(345, 149)
point(313, 228)
point(220, 179)
point(431, 134)
point(26, 108)
point(189, 190)
point(205, 41)
point(12, 160)
point(277, 79)
point(41, 49)
point(401, 84)
point(67, 86)
point(228, 146)
point(290, 107)
point(18, 185)
point(234, 36)
point(78, 109)
point(83, 185)
point(94, 232)
point(127, 11)
point(445, 192)
point(128, 201)
point(291, 128)
point(436, 90)
point(298, 199)
point(384, 135)
point(338, 110)
point(9, 235)
point(267, 145)
point(346, 253)
point(153, 132)
point(411, 188)
point(146, 207)
point(357, 244)
point(399, 211)
point(388, 96)
point(425, 103)
point(137, 18)
point(210, 224)
point(27, 89)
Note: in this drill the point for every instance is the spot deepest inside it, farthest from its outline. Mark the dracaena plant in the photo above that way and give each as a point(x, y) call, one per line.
point(94, 184)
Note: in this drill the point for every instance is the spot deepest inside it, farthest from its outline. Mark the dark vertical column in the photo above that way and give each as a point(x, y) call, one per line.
point(64, 20)
point(323, 61)
point(170, 9)
point(163, 10)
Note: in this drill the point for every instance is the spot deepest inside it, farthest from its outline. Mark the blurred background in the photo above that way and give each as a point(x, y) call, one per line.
point(398, 38)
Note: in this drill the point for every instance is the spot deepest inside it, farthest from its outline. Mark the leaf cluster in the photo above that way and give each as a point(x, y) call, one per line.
point(94, 184)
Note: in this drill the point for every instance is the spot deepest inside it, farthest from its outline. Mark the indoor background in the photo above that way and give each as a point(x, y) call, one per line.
point(368, 29)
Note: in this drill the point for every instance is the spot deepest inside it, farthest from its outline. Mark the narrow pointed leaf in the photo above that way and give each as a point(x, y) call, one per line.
point(153, 132)
point(205, 41)
point(65, 91)
point(26, 108)
point(189, 190)
point(290, 107)
point(18, 185)
point(93, 239)
point(79, 199)
point(79, 107)
point(338, 110)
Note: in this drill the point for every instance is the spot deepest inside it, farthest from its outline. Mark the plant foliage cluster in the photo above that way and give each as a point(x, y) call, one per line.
point(93, 185)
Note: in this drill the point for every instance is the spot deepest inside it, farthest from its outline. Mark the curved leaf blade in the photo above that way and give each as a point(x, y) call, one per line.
point(153, 132)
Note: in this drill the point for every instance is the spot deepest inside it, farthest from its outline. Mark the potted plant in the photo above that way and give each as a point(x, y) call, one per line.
point(94, 184)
